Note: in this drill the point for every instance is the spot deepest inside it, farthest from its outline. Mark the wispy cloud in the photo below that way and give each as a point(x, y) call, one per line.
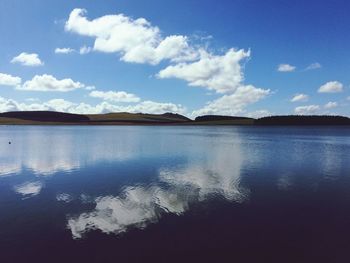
point(85, 50)
point(313, 66)
point(300, 98)
point(285, 68)
point(306, 110)
point(65, 50)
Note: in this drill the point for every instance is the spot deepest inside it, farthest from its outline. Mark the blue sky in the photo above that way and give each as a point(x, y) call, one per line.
point(238, 57)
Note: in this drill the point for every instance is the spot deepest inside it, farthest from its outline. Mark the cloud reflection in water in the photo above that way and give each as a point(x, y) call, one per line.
point(176, 189)
point(46, 151)
point(136, 207)
point(29, 189)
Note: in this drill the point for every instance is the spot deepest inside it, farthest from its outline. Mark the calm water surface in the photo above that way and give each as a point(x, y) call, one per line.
point(183, 194)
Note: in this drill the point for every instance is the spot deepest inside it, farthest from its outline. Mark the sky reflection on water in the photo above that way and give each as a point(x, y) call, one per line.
point(113, 181)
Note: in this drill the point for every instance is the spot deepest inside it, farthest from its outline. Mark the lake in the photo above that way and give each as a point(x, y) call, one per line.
point(174, 194)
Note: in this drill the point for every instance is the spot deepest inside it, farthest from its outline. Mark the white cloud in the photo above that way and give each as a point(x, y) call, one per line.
point(29, 189)
point(33, 99)
point(84, 108)
point(305, 110)
point(313, 66)
point(235, 103)
point(8, 105)
point(42, 83)
point(259, 114)
point(50, 83)
point(286, 68)
point(9, 80)
point(136, 40)
point(155, 107)
point(144, 107)
point(138, 206)
point(300, 98)
point(90, 87)
point(220, 73)
point(85, 50)
point(331, 87)
point(65, 50)
point(27, 59)
point(59, 105)
point(115, 96)
point(348, 98)
point(331, 105)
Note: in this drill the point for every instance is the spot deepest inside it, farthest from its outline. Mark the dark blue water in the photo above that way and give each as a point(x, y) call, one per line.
point(174, 194)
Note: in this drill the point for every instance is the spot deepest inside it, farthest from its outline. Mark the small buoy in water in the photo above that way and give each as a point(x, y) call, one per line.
point(9, 142)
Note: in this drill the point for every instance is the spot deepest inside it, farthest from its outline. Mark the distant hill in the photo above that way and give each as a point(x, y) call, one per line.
point(137, 118)
point(223, 120)
point(220, 118)
point(44, 116)
point(125, 118)
point(175, 116)
point(303, 120)
point(52, 117)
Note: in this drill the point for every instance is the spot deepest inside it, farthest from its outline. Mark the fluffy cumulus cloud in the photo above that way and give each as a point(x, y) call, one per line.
point(235, 103)
point(9, 80)
point(27, 59)
point(44, 83)
point(300, 98)
point(313, 66)
point(331, 87)
point(115, 96)
point(84, 108)
point(306, 110)
point(285, 68)
point(50, 83)
point(8, 105)
point(138, 41)
point(220, 73)
point(135, 39)
point(65, 50)
point(331, 105)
